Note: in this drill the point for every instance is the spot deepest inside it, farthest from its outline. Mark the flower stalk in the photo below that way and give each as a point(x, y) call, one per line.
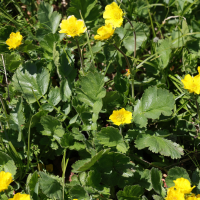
point(80, 54)
point(131, 71)
point(5, 76)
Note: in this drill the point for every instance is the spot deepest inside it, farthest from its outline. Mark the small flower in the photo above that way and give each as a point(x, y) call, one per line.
point(19, 196)
point(113, 15)
point(5, 180)
point(174, 194)
point(127, 73)
point(121, 117)
point(72, 27)
point(192, 84)
point(104, 32)
point(14, 41)
point(183, 185)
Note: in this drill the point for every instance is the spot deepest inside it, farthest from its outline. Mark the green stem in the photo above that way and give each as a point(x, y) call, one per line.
point(107, 68)
point(80, 54)
point(5, 76)
point(88, 41)
point(197, 112)
point(5, 112)
point(131, 71)
point(154, 34)
point(28, 154)
point(35, 97)
point(64, 166)
point(120, 130)
point(55, 107)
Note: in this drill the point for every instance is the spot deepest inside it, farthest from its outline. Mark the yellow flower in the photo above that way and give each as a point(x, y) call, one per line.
point(174, 194)
point(14, 41)
point(121, 117)
point(192, 84)
point(183, 185)
point(72, 27)
point(113, 15)
point(127, 72)
point(19, 196)
point(104, 32)
point(5, 180)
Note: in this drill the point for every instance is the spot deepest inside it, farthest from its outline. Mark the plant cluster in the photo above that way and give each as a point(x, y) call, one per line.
point(99, 100)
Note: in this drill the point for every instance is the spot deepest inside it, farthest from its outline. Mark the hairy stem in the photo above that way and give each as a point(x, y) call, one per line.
point(80, 54)
point(5, 76)
point(129, 66)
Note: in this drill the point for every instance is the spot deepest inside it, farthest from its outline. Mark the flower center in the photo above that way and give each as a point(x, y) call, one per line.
point(194, 86)
point(120, 118)
point(117, 15)
point(73, 30)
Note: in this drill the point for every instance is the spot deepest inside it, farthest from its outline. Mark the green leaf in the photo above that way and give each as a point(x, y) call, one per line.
point(85, 165)
point(113, 161)
point(93, 179)
point(27, 46)
point(111, 137)
point(65, 90)
point(7, 164)
point(78, 192)
point(67, 140)
point(84, 6)
point(33, 185)
point(50, 186)
point(12, 61)
point(156, 180)
point(49, 41)
point(50, 125)
point(17, 118)
point(91, 88)
point(32, 81)
point(65, 68)
point(156, 197)
point(154, 101)
point(174, 173)
point(159, 145)
point(177, 39)
point(36, 118)
point(141, 30)
point(47, 17)
point(54, 96)
point(196, 28)
point(164, 50)
point(78, 135)
point(130, 192)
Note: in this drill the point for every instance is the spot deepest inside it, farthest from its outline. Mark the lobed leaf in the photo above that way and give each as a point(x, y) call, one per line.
point(159, 145)
point(154, 101)
point(32, 81)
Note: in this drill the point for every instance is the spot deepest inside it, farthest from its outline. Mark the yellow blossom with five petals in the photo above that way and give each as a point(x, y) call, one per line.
point(14, 40)
point(19, 196)
point(72, 27)
point(5, 180)
point(183, 185)
point(113, 15)
point(104, 32)
point(120, 117)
